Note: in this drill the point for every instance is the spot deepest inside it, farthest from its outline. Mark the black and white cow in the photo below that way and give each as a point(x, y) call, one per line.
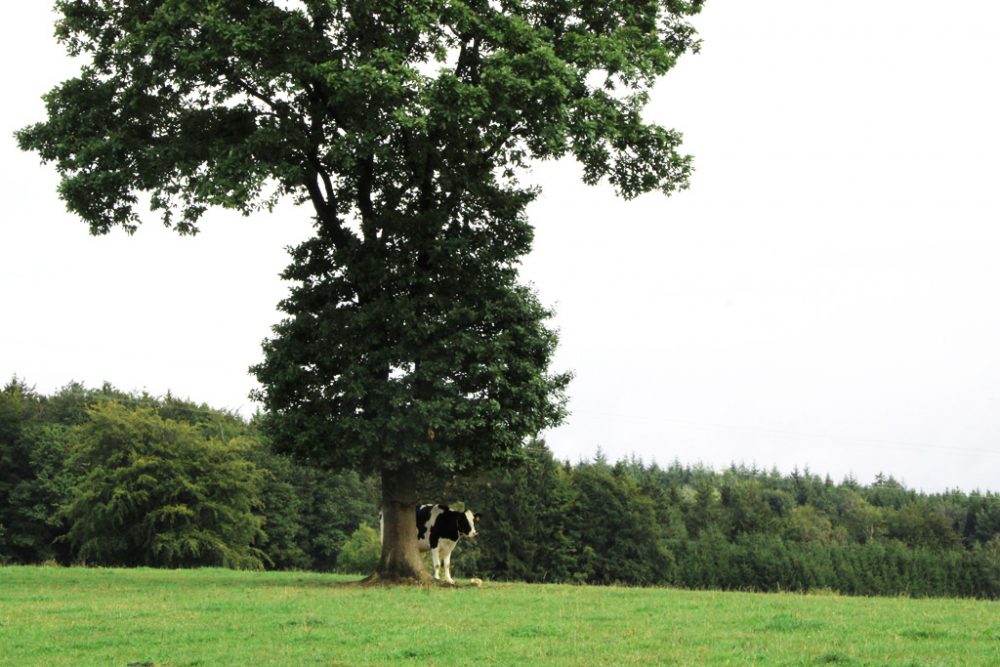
point(439, 529)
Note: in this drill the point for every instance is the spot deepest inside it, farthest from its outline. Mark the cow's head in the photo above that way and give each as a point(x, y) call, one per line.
point(467, 524)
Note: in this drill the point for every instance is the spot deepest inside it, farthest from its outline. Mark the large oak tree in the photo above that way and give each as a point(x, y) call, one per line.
point(409, 347)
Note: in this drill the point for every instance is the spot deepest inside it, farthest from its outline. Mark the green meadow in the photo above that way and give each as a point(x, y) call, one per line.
point(145, 618)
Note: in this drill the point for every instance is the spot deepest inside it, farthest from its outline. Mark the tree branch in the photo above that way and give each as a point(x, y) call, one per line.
point(326, 212)
point(366, 183)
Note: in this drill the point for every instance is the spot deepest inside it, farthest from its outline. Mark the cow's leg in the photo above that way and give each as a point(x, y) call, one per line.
point(436, 558)
point(446, 547)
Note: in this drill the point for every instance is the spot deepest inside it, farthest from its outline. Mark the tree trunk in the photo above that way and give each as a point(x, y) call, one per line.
point(400, 561)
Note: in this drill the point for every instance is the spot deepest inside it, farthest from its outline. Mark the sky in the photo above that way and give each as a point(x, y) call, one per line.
point(824, 296)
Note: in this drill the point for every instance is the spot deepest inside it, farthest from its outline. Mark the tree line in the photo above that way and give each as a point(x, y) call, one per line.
point(105, 477)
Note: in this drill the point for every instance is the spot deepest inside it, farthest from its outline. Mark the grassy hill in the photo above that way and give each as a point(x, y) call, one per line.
point(53, 616)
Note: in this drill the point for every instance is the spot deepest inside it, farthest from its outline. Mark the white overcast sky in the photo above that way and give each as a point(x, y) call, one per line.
point(825, 295)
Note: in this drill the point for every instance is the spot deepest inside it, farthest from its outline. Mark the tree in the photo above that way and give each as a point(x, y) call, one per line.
point(409, 347)
point(281, 505)
point(33, 478)
point(807, 524)
point(523, 533)
point(333, 506)
point(614, 529)
point(158, 493)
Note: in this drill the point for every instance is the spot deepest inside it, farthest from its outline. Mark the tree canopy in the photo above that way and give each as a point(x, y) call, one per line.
point(374, 111)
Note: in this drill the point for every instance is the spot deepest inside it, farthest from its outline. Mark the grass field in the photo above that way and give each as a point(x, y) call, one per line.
point(52, 616)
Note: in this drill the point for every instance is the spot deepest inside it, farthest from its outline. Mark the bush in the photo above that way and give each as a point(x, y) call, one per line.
point(361, 552)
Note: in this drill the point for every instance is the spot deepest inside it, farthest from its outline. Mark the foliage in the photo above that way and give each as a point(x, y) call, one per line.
point(408, 340)
point(334, 505)
point(281, 505)
point(34, 480)
point(740, 529)
point(522, 531)
point(416, 381)
point(542, 520)
point(361, 552)
point(614, 531)
point(308, 515)
point(157, 492)
point(400, 111)
point(408, 343)
point(409, 347)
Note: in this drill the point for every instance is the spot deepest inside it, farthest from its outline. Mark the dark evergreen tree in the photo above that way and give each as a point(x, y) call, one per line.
point(614, 530)
point(333, 506)
point(525, 508)
point(282, 506)
point(34, 481)
point(982, 520)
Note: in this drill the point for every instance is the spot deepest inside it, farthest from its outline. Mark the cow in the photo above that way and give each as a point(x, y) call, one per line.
point(439, 529)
